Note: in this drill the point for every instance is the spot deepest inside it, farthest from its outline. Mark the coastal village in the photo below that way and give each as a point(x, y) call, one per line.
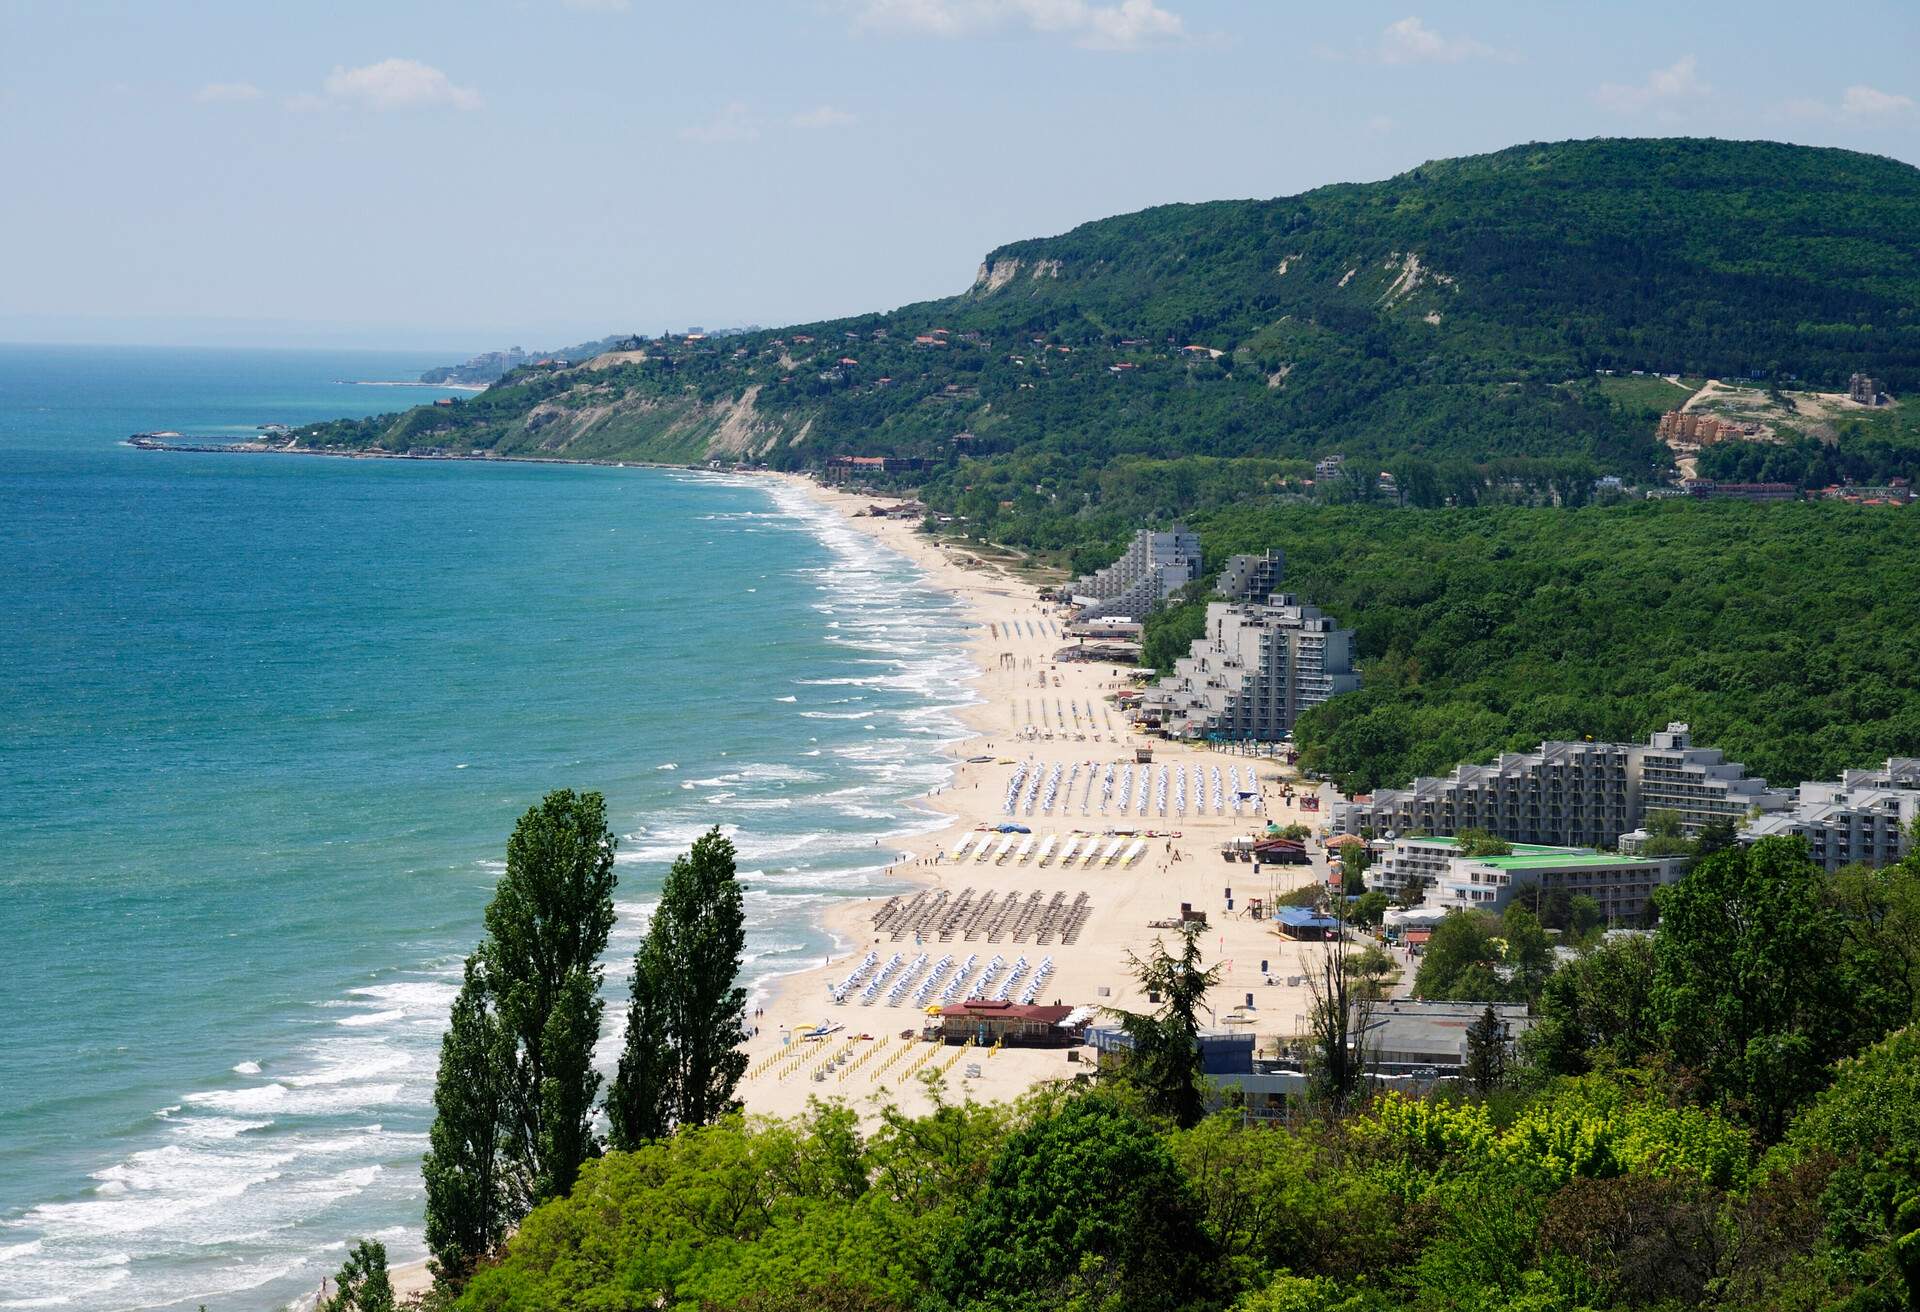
point(1101, 808)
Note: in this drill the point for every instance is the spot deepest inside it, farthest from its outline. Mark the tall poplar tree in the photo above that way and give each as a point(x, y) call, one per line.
point(514, 1096)
point(467, 1198)
point(546, 927)
point(682, 1058)
point(644, 1096)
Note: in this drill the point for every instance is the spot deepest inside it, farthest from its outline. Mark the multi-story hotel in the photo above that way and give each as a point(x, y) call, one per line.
point(1252, 578)
point(1867, 817)
point(1154, 566)
point(1421, 861)
point(1254, 671)
point(1622, 886)
point(1572, 794)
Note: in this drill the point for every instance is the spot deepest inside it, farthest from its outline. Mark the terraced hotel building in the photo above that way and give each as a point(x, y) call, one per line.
point(1572, 794)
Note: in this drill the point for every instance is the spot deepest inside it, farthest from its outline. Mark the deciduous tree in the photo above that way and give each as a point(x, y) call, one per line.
point(546, 927)
point(1337, 1020)
point(469, 1208)
point(682, 1057)
point(1596, 1013)
point(1085, 1208)
point(1747, 979)
point(362, 1284)
point(514, 1093)
point(642, 1099)
point(1460, 942)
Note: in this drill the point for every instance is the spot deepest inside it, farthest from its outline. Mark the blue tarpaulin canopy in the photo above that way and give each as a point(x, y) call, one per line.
point(1303, 918)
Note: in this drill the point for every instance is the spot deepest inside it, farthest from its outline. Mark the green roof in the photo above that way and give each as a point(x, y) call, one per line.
point(1564, 861)
point(1519, 849)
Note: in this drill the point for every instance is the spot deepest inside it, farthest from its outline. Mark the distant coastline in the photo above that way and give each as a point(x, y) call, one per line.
point(179, 444)
point(413, 382)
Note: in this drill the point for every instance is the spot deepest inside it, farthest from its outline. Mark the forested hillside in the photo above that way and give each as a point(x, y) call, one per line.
point(1782, 633)
point(1453, 317)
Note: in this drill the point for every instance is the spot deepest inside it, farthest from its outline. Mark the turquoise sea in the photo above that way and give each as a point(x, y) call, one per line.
point(265, 723)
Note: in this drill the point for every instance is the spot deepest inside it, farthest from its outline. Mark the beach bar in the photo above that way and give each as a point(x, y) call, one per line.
point(1012, 1024)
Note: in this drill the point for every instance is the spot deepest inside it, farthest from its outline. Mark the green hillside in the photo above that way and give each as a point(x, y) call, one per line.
point(1779, 632)
point(1455, 316)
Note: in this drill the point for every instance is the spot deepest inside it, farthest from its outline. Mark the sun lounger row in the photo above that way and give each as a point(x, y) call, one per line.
point(838, 992)
point(992, 848)
point(1041, 973)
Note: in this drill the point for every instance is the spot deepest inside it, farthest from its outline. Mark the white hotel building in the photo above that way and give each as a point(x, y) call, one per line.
point(1572, 794)
point(1154, 566)
point(1254, 671)
point(1868, 816)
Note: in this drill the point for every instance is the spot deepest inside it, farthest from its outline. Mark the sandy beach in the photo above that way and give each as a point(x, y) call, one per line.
point(1019, 683)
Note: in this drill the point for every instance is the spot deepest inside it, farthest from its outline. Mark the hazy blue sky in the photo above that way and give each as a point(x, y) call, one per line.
point(466, 173)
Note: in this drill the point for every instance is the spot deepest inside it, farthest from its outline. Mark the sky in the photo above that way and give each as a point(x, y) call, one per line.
point(471, 174)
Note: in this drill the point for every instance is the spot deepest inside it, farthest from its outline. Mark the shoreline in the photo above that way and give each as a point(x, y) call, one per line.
point(1013, 666)
point(187, 447)
point(1127, 899)
point(838, 921)
point(402, 382)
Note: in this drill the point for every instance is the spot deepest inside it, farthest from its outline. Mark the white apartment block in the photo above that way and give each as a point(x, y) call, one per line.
point(1254, 671)
point(1622, 886)
point(1252, 578)
point(1571, 794)
point(1410, 861)
point(1154, 566)
point(1424, 861)
point(1867, 817)
point(1698, 782)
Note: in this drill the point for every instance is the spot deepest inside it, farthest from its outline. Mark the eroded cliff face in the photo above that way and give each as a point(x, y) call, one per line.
point(993, 276)
point(996, 274)
point(594, 422)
